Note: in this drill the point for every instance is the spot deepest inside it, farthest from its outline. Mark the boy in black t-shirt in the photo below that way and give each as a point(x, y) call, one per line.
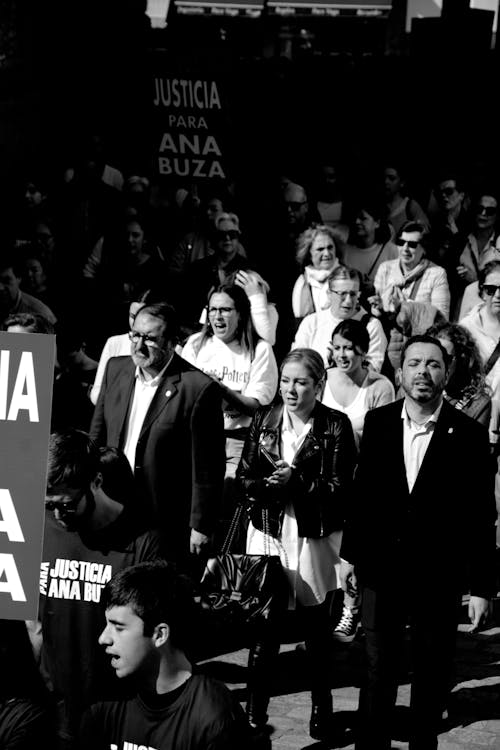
point(149, 615)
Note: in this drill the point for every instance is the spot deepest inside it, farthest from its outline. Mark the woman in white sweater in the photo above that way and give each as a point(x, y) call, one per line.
point(230, 351)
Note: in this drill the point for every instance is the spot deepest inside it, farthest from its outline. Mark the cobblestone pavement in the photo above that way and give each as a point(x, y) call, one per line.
point(474, 708)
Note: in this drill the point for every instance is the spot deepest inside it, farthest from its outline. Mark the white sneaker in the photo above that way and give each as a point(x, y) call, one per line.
point(346, 627)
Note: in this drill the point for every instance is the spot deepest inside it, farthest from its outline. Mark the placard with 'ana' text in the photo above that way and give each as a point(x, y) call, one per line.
point(26, 378)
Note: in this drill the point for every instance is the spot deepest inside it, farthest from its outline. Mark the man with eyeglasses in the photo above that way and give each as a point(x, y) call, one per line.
point(88, 537)
point(166, 416)
point(315, 330)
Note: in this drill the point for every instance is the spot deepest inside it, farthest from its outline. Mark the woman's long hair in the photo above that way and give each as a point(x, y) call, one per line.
point(468, 379)
point(246, 334)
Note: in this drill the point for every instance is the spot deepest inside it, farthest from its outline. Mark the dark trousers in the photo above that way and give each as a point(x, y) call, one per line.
point(316, 626)
point(432, 629)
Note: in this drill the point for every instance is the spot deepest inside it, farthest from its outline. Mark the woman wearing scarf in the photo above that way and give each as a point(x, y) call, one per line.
point(412, 292)
point(317, 256)
point(412, 277)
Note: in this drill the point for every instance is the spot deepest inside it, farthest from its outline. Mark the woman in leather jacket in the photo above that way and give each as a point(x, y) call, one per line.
point(297, 466)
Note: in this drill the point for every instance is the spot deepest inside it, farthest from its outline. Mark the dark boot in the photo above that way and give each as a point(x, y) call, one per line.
point(260, 660)
point(321, 723)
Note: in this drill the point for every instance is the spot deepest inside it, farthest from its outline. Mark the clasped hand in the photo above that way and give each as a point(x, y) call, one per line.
point(281, 475)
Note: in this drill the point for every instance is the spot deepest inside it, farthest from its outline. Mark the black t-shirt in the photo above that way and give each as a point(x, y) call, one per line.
point(24, 724)
point(203, 716)
point(75, 567)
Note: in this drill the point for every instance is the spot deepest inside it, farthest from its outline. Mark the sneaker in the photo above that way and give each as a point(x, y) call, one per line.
point(347, 626)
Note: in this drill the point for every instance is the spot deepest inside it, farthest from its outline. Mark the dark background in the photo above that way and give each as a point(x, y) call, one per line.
point(354, 90)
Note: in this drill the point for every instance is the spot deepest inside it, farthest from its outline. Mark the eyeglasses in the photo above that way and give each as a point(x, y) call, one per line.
point(231, 234)
point(447, 191)
point(486, 210)
point(343, 295)
point(295, 205)
point(150, 341)
point(413, 244)
point(490, 289)
point(225, 311)
point(68, 506)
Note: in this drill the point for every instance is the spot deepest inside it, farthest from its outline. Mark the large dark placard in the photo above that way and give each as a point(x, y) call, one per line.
point(189, 125)
point(26, 377)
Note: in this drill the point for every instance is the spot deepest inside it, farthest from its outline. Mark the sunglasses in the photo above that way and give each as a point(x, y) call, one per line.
point(447, 191)
point(231, 234)
point(486, 210)
point(413, 244)
point(490, 289)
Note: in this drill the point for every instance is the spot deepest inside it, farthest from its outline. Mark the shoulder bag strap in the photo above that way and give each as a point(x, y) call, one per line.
point(495, 354)
point(376, 259)
point(232, 529)
point(416, 286)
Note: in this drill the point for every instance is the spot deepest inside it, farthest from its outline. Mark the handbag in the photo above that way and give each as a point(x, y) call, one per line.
point(243, 593)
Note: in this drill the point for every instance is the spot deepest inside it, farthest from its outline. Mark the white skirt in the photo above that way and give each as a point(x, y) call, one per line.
point(311, 565)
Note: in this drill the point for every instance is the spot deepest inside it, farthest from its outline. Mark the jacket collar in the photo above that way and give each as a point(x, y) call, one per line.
point(273, 421)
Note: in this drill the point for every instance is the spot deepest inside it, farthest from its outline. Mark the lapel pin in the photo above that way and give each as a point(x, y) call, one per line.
point(168, 394)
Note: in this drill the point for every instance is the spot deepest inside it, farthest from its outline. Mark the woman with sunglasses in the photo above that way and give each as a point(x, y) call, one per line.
point(481, 246)
point(411, 277)
point(229, 349)
point(227, 266)
point(483, 323)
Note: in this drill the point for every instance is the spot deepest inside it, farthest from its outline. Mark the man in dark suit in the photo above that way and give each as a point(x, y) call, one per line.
point(422, 529)
point(166, 416)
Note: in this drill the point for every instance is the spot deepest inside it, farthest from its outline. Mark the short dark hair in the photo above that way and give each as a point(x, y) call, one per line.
point(73, 459)
point(117, 476)
point(354, 331)
point(416, 226)
point(167, 314)
point(35, 323)
point(156, 592)
point(493, 265)
point(424, 338)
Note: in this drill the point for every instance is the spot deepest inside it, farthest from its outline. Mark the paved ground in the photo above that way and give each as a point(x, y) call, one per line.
point(474, 711)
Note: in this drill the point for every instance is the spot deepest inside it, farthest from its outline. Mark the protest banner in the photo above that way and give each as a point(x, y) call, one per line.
point(26, 378)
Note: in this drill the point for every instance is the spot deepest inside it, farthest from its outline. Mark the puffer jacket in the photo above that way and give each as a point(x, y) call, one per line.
point(321, 480)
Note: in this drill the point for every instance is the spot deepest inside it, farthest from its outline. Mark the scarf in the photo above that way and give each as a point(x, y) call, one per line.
point(400, 282)
point(313, 277)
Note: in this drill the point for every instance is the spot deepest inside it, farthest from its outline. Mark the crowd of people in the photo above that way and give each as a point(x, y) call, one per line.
point(332, 362)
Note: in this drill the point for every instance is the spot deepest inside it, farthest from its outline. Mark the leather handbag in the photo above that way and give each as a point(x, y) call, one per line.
point(243, 593)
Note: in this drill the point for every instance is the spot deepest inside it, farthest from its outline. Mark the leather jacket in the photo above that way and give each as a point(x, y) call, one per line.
point(321, 481)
